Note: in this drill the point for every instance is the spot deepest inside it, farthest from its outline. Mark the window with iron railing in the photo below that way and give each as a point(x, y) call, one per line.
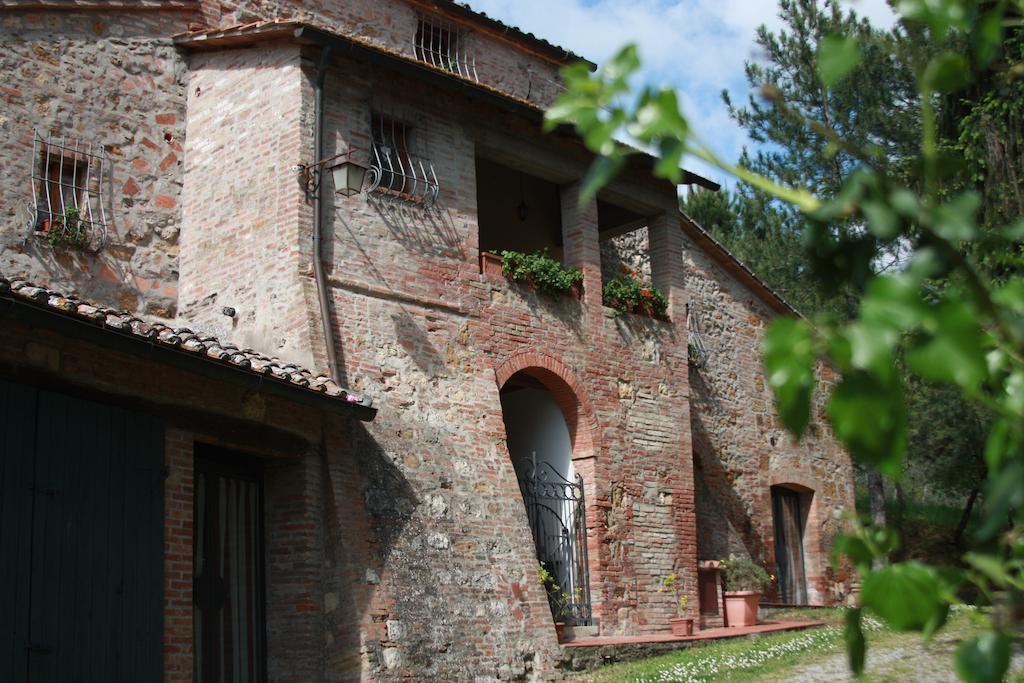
point(394, 169)
point(445, 45)
point(68, 187)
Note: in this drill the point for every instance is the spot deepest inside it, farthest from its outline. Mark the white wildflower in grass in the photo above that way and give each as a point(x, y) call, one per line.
point(708, 664)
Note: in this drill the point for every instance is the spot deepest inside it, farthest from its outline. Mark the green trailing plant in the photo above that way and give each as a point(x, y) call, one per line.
point(629, 294)
point(558, 599)
point(541, 271)
point(68, 230)
point(937, 309)
point(745, 575)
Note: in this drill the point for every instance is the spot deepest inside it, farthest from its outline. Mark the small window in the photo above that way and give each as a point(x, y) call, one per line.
point(444, 45)
point(67, 190)
point(394, 169)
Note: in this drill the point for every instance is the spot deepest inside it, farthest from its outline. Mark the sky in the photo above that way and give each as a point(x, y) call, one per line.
point(697, 46)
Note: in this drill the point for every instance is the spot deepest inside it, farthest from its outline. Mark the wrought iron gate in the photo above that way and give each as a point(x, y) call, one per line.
point(556, 509)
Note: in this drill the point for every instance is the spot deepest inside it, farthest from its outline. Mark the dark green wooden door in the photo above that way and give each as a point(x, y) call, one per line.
point(81, 539)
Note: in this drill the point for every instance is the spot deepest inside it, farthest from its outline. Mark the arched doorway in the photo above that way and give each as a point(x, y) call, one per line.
point(541, 447)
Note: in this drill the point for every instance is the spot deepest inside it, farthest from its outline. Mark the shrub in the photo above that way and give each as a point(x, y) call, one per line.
point(745, 575)
point(629, 294)
point(544, 273)
point(68, 230)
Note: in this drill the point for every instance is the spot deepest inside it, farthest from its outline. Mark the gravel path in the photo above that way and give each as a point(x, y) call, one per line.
point(917, 661)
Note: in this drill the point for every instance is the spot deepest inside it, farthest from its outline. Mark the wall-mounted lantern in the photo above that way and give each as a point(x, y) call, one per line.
point(349, 175)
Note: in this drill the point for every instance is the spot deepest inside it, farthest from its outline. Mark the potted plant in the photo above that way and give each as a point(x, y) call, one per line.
point(67, 229)
point(542, 272)
point(745, 580)
point(559, 601)
point(682, 625)
point(629, 294)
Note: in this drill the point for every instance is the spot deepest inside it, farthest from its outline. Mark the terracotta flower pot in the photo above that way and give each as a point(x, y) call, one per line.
point(560, 631)
point(741, 607)
point(682, 626)
point(490, 264)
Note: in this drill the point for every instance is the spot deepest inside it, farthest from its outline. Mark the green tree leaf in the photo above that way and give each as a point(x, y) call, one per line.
point(955, 220)
point(954, 351)
point(948, 72)
point(837, 56)
point(601, 170)
point(869, 417)
point(906, 596)
point(856, 646)
point(984, 658)
point(789, 356)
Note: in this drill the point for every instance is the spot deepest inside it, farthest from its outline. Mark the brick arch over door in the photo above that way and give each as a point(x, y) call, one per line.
point(561, 381)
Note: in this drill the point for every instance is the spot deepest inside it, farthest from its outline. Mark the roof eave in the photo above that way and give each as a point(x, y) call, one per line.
point(118, 340)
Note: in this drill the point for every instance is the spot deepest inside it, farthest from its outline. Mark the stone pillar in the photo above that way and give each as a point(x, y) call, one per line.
point(667, 270)
point(580, 241)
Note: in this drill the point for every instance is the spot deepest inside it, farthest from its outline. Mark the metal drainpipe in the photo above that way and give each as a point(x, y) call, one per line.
point(318, 266)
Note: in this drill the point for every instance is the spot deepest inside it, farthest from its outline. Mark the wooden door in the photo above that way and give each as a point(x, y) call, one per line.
point(789, 546)
point(81, 539)
point(229, 618)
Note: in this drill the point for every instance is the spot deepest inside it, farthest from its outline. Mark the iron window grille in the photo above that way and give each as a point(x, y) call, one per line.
point(697, 351)
point(444, 45)
point(68, 184)
point(396, 171)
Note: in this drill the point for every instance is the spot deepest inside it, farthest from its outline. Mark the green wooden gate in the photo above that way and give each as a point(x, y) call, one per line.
point(81, 539)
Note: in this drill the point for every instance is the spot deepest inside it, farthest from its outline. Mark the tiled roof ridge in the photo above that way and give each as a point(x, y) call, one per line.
point(183, 338)
point(514, 30)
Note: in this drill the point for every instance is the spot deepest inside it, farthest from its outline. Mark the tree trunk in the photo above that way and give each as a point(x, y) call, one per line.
point(965, 518)
point(876, 501)
point(901, 508)
point(876, 497)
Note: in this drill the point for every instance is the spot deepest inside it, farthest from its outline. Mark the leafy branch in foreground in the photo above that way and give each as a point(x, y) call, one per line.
point(939, 313)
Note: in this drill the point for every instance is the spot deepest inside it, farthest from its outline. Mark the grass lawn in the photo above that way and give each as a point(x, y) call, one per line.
point(810, 655)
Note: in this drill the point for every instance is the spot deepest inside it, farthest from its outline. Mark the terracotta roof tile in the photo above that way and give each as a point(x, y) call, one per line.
point(181, 338)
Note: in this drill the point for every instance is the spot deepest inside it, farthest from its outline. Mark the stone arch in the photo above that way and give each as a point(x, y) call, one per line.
point(815, 563)
point(561, 381)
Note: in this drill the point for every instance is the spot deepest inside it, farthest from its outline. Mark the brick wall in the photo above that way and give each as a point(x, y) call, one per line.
point(112, 79)
point(432, 340)
point(247, 228)
point(179, 651)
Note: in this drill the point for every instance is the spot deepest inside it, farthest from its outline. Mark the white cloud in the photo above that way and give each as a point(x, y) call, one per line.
point(697, 46)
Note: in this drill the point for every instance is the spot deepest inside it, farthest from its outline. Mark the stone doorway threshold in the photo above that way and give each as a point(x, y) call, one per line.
point(588, 652)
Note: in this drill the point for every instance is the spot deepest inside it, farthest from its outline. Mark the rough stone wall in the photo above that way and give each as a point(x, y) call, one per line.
point(112, 79)
point(740, 447)
point(625, 253)
point(391, 24)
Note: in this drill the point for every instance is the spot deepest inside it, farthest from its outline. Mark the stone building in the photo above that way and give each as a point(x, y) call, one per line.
point(176, 434)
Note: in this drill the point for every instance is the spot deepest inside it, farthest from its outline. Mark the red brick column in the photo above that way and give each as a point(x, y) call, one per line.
point(667, 270)
point(178, 512)
point(581, 244)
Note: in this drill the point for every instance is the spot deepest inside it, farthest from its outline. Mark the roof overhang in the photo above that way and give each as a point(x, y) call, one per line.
point(40, 315)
